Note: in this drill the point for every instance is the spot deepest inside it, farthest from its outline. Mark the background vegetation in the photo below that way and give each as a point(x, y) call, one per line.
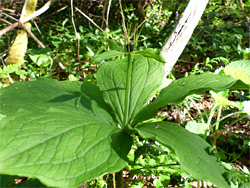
point(222, 36)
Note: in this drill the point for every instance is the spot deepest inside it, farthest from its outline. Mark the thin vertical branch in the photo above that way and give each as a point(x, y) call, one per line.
point(123, 22)
point(137, 29)
point(107, 18)
point(77, 35)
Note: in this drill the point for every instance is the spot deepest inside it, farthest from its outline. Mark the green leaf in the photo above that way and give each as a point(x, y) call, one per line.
point(241, 64)
point(108, 55)
point(236, 74)
point(114, 46)
point(46, 93)
point(9, 69)
point(181, 88)
point(151, 53)
point(59, 132)
point(190, 149)
point(197, 128)
point(238, 70)
point(40, 56)
point(146, 77)
point(220, 98)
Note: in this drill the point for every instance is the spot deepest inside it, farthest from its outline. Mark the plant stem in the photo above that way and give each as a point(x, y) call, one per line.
point(127, 92)
point(210, 119)
point(119, 179)
point(232, 114)
point(198, 183)
point(199, 112)
point(123, 21)
point(217, 125)
point(237, 120)
point(114, 180)
point(237, 156)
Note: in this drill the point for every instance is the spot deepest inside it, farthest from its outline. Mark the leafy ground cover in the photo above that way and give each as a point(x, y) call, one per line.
point(221, 37)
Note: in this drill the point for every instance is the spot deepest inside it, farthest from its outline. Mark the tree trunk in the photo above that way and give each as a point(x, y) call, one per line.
point(179, 38)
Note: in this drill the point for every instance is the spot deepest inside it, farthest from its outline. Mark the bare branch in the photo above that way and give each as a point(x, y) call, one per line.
point(107, 22)
point(5, 21)
point(28, 18)
point(77, 35)
point(9, 16)
point(88, 18)
point(123, 23)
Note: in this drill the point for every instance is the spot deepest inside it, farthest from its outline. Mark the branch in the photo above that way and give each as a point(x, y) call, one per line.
point(28, 18)
point(88, 18)
point(77, 35)
point(124, 24)
point(107, 22)
point(31, 35)
point(182, 32)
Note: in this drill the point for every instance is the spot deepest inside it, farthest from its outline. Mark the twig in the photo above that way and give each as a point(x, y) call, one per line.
point(235, 121)
point(61, 65)
point(103, 15)
point(10, 17)
point(88, 18)
point(8, 10)
point(37, 28)
point(5, 21)
point(59, 10)
point(77, 35)
point(31, 35)
point(137, 29)
point(28, 18)
point(123, 21)
point(107, 19)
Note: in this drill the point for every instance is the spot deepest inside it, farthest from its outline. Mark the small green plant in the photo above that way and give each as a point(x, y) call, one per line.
point(238, 70)
point(67, 133)
point(12, 68)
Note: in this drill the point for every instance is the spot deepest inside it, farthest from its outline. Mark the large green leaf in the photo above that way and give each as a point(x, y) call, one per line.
point(44, 93)
point(56, 132)
point(146, 77)
point(191, 150)
point(179, 89)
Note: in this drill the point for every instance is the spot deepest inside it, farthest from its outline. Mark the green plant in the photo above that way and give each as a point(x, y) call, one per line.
point(12, 68)
point(151, 162)
point(66, 133)
point(238, 70)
